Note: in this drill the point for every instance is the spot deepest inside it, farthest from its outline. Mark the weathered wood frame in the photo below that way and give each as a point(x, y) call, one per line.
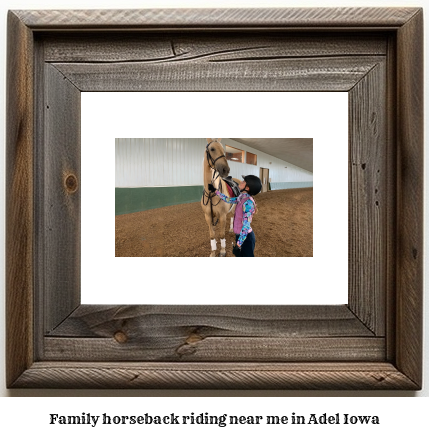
point(374, 342)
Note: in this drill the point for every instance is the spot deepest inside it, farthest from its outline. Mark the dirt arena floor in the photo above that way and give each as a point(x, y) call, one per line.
point(283, 227)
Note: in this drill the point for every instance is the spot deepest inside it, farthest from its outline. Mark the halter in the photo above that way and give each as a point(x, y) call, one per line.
point(209, 195)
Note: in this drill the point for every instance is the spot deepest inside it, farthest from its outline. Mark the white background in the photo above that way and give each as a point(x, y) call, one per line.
point(321, 279)
point(28, 414)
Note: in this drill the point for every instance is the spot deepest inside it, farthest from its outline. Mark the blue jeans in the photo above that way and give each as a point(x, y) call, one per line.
point(248, 246)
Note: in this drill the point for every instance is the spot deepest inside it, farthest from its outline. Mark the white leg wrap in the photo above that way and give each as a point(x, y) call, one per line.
point(223, 243)
point(232, 224)
point(213, 242)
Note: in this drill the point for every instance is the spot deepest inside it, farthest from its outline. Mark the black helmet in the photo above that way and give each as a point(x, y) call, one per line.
point(254, 184)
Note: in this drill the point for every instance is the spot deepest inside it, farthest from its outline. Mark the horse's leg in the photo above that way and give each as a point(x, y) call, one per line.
point(231, 225)
point(222, 224)
point(212, 234)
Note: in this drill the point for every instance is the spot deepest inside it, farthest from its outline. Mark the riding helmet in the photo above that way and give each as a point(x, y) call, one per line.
point(254, 184)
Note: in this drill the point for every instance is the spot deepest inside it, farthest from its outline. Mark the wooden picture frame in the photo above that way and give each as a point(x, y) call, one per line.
point(373, 342)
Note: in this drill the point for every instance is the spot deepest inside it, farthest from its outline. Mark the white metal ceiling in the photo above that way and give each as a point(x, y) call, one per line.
point(297, 151)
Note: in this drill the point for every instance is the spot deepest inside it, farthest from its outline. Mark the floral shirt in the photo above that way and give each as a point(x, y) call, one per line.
point(248, 211)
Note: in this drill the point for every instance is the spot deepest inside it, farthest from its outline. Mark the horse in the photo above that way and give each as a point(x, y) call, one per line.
point(215, 210)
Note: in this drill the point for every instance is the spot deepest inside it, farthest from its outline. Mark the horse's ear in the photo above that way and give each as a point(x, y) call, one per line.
point(218, 139)
point(209, 140)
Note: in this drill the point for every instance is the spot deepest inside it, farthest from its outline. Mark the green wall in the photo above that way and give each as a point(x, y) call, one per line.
point(290, 185)
point(129, 200)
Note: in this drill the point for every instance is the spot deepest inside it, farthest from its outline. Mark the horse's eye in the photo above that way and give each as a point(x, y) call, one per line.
point(212, 149)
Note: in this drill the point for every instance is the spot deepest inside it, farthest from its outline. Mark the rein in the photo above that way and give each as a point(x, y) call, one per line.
point(209, 195)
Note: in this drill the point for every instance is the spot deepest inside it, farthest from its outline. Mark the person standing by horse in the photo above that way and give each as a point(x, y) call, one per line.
point(244, 211)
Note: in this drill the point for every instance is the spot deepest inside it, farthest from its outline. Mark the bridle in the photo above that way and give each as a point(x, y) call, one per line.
point(210, 159)
point(206, 194)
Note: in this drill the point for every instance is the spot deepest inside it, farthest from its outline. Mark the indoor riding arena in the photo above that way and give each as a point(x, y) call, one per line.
point(159, 185)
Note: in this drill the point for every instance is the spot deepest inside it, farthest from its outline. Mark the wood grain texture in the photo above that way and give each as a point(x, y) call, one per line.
point(189, 347)
point(409, 283)
point(39, 200)
point(170, 47)
point(298, 74)
point(215, 376)
point(61, 186)
point(368, 202)
point(193, 348)
point(19, 200)
point(196, 18)
point(98, 321)
point(391, 188)
point(213, 333)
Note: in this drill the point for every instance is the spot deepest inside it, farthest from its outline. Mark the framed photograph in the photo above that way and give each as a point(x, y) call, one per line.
point(374, 341)
point(159, 181)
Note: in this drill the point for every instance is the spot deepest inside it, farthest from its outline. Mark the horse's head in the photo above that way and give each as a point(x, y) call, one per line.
point(216, 156)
